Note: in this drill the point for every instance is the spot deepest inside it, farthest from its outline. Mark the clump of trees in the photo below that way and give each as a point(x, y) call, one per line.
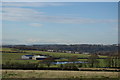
point(16, 65)
point(93, 60)
point(70, 66)
point(113, 61)
point(48, 61)
point(81, 48)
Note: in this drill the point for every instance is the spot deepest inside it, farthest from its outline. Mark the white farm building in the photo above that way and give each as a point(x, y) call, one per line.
point(34, 57)
point(38, 57)
point(27, 56)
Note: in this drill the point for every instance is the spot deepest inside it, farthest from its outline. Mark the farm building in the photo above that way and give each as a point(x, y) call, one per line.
point(38, 57)
point(27, 56)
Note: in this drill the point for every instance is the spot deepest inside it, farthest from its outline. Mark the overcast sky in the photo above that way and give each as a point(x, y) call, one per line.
point(60, 23)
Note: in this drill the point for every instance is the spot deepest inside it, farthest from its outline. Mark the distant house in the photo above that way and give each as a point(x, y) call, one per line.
point(68, 51)
point(27, 56)
point(76, 52)
point(50, 50)
point(38, 57)
point(85, 53)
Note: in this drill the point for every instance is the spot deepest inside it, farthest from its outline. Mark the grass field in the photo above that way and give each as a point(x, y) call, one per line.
point(56, 74)
point(16, 57)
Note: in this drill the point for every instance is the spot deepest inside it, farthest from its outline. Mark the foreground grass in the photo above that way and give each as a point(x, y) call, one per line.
point(56, 74)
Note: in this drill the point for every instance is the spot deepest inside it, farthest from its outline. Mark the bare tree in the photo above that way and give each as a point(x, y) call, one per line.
point(93, 60)
point(73, 59)
point(48, 61)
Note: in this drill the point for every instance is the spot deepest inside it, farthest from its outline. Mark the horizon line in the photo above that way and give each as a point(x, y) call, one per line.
point(61, 44)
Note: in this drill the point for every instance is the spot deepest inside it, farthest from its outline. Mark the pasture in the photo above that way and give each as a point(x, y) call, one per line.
point(16, 57)
point(13, 56)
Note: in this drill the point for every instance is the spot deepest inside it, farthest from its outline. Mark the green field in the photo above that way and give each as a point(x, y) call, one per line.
point(13, 56)
point(16, 57)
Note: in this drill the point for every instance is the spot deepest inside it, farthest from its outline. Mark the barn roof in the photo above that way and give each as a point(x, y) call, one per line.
point(28, 55)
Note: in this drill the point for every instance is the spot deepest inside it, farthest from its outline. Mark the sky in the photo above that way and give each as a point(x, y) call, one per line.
point(60, 23)
point(60, 0)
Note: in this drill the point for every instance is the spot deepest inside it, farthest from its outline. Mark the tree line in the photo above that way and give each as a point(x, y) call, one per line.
point(80, 48)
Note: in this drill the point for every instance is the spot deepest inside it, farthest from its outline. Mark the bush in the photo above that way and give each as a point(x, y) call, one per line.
point(70, 66)
point(15, 65)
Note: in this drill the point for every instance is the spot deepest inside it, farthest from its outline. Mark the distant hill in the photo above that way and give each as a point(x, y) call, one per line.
point(79, 48)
